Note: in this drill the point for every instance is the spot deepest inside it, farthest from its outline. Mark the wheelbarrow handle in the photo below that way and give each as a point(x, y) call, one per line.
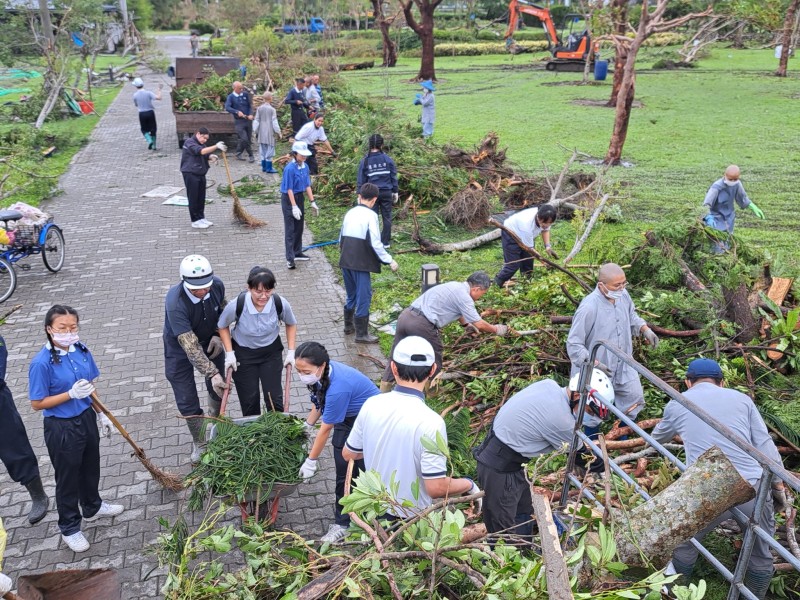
point(287, 382)
point(224, 404)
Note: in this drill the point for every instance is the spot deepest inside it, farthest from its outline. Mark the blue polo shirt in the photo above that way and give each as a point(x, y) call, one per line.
point(296, 177)
point(48, 378)
point(348, 391)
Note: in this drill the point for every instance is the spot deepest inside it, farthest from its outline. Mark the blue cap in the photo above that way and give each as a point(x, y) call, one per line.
point(428, 85)
point(701, 368)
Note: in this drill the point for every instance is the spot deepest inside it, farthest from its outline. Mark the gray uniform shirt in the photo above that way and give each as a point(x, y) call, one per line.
point(733, 409)
point(143, 99)
point(266, 124)
point(256, 329)
point(720, 201)
point(597, 318)
point(428, 107)
point(446, 302)
point(536, 420)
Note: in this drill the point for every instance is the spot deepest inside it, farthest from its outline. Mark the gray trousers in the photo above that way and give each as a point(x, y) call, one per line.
point(628, 394)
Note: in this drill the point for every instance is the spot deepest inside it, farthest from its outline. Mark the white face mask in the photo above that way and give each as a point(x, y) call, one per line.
point(65, 339)
point(613, 294)
point(309, 378)
point(731, 183)
point(591, 420)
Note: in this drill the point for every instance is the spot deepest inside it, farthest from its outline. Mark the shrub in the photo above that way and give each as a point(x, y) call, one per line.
point(478, 49)
point(453, 35)
point(364, 34)
point(520, 35)
point(201, 27)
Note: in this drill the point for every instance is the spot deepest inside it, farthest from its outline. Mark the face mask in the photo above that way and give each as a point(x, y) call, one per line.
point(731, 183)
point(65, 339)
point(591, 420)
point(614, 295)
point(309, 378)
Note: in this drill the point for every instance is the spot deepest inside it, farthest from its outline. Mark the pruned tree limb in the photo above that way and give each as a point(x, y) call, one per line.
point(589, 226)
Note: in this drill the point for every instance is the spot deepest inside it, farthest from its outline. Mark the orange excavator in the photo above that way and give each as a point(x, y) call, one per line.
point(569, 55)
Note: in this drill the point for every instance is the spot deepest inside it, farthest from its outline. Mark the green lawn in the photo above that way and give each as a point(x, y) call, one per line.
point(692, 124)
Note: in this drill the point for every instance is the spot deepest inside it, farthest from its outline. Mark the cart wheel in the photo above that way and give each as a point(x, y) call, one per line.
point(53, 249)
point(8, 279)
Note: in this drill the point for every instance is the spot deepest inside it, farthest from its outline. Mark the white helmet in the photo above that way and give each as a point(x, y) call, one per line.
point(138, 82)
point(301, 148)
point(599, 385)
point(196, 272)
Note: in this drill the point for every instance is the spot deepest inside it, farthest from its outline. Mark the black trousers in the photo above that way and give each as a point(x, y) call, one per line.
point(292, 228)
point(515, 259)
point(196, 192)
point(180, 374)
point(340, 433)
point(74, 448)
point(259, 368)
point(147, 122)
point(299, 117)
point(383, 207)
point(244, 130)
point(507, 502)
point(411, 323)
point(15, 449)
point(311, 161)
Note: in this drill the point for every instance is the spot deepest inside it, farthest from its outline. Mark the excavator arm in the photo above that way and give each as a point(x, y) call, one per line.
point(517, 8)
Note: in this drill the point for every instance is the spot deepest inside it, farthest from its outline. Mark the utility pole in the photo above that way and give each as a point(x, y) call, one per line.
point(123, 8)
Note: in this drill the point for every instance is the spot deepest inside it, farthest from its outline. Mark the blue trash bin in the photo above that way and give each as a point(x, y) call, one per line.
point(600, 70)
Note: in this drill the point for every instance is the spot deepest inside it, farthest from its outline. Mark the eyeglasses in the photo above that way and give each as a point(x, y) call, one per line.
point(617, 286)
point(73, 329)
point(262, 292)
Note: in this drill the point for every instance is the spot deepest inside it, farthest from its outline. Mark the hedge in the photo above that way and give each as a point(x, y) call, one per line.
point(476, 49)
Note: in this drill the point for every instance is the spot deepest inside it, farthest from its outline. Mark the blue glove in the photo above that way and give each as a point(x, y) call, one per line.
point(708, 220)
point(418, 99)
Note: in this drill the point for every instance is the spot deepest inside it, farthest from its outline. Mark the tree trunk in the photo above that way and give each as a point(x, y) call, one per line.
point(622, 117)
point(740, 312)
point(788, 29)
point(619, 16)
point(47, 26)
point(389, 47)
point(426, 65)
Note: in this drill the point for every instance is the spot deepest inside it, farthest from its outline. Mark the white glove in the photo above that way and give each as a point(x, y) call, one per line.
point(105, 425)
point(651, 337)
point(5, 583)
point(308, 427)
point(315, 207)
point(230, 361)
point(215, 347)
point(81, 389)
point(296, 212)
point(218, 385)
point(394, 266)
point(221, 146)
point(501, 330)
point(308, 469)
point(395, 198)
point(289, 360)
point(478, 502)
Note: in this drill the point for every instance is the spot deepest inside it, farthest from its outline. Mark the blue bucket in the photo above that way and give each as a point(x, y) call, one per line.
point(600, 70)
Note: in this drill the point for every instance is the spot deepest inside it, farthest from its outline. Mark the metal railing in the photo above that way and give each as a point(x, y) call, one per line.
point(770, 469)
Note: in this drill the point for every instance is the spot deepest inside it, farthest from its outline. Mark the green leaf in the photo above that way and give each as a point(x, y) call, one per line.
point(429, 445)
point(441, 444)
point(415, 489)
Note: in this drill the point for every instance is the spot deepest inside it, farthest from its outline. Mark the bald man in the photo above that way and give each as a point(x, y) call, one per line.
point(241, 107)
point(608, 314)
point(720, 201)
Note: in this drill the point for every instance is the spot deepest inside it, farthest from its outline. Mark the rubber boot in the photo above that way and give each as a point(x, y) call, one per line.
point(264, 166)
point(758, 582)
point(387, 386)
point(195, 426)
point(149, 139)
point(214, 405)
point(363, 335)
point(270, 168)
point(39, 499)
point(348, 321)
point(153, 145)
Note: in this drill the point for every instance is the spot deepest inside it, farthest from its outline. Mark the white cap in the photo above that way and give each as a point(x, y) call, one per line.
point(138, 82)
point(414, 351)
point(301, 148)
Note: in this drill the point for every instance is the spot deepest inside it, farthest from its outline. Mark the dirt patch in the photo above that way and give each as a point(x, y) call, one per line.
point(601, 103)
point(560, 83)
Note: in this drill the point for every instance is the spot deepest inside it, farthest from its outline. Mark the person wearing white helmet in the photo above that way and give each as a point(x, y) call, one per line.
point(534, 421)
point(295, 188)
point(193, 308)
point(143, 99)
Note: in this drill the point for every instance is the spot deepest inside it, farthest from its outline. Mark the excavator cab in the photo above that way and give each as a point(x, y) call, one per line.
point(574, 48)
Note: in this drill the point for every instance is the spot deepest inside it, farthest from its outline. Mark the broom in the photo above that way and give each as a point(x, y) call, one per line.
point(239, 213)
point(166, 480)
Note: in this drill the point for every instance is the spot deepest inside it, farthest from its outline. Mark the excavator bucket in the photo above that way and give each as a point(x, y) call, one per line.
point(70, 584)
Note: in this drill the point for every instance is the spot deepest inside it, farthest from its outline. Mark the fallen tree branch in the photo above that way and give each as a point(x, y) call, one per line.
point(589, 226)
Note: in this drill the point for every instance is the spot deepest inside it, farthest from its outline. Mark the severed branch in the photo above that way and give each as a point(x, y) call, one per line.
point(589, 226)
point(555, 190)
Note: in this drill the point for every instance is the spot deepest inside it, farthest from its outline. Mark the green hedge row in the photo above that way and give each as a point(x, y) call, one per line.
point(477, 49)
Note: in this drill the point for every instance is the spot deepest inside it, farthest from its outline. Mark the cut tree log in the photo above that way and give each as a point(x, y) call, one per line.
point(555, 567)
point(739, 311)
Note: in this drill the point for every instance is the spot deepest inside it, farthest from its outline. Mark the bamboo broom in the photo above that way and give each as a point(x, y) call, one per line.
point(164, 479)
point(239, 213)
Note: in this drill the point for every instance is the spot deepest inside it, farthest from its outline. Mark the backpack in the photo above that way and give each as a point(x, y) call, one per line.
point(240, 305)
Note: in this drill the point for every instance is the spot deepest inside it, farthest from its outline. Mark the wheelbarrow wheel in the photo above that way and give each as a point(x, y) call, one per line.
point(267, 511)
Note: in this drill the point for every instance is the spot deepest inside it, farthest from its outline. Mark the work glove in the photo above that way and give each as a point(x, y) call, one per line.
point(395, 198)
point(756, 211)
point(478, 502)
point(221, 146)
point(550, 251)
point(708, 220)
point(308, 469)
point(501, 330)
point(230, 361)
point(315, 208)
point(296, 212)
point(651, 337)
point(81, 389)
point(5, 584)
point(215, 347)
point(104, 425)
point(308, 427)
point(780, 500)
point(218, 385)
point(394, 266)
point(289, 360)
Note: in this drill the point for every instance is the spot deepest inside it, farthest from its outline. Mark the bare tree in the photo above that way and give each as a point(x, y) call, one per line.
point(47, 26)
point(788, 30)
point(619, 20)
point(423, 27)
point(713, 30)
point(649, 23)
point(384, 23)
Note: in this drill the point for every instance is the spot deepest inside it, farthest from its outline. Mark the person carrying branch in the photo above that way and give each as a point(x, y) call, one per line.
point(389, 430)
point(536, 420)
point(438, 307)
point(313, 133)
point(527, 224)
point(721, 200)
point(192, 310)
point(338, 392)
point(738, 412)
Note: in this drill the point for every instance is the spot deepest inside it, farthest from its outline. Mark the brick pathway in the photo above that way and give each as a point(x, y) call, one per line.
point(123, 253)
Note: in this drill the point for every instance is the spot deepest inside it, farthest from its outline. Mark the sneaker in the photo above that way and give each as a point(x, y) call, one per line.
point(290, 266)
point(251, 158)
point(239, 156)
point(206, 221)
point(336, 533)
point(77, 542)
point(301, 256)
point(201, 224)
point(106, 510)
